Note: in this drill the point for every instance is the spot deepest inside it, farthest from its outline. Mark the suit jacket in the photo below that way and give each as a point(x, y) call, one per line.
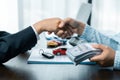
point(13, 44)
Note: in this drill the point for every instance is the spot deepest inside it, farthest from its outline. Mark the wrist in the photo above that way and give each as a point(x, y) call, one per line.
point(81, 28)
point(38, 27)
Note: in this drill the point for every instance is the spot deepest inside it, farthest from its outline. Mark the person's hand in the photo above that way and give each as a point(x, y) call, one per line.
point(65, 31)
point(50, 25)
point(72, 26)
point(106, 58)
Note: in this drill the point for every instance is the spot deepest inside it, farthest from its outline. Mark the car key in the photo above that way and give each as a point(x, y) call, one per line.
point(48, 55)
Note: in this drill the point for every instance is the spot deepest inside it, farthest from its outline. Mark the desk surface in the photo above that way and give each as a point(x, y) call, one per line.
point(18, 69)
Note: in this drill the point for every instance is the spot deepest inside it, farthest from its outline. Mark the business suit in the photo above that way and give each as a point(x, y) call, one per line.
point(13, 44)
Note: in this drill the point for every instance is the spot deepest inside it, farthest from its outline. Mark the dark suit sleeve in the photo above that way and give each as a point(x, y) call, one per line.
point(3, 33)
point(13, 44)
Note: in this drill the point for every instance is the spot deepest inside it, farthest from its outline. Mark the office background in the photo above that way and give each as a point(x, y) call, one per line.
point(15, 15)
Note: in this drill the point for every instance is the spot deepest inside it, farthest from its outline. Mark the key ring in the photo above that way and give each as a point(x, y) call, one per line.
point(41, 51)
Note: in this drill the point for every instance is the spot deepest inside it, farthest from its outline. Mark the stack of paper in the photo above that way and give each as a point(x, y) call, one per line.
point(82, 52)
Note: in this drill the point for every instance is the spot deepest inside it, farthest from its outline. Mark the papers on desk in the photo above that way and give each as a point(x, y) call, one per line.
point(36, 58)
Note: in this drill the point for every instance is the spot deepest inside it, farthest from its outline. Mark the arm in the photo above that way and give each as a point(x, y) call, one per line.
point(88, 33)
point(92, 35)
point(3, 33)
point(108, 57)
point(13, 44)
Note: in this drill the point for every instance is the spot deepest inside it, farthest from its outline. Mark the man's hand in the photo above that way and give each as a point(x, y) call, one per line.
point(72, 26)
point(106, 58)
point(50, 25)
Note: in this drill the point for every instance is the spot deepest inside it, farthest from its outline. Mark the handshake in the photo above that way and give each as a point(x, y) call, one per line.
point(62, 28)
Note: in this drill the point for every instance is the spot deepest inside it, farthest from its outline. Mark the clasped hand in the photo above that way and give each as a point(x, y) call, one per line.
point(62, 28)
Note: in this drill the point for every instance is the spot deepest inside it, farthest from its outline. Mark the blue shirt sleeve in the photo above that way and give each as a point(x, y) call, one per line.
point(117, 60)
point(92, 35)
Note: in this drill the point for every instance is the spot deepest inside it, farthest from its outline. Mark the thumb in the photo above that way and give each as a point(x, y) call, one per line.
point(96, 58)
point(99, 46)
point(61, 24)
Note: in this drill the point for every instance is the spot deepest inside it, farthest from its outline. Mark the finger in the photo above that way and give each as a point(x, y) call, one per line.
point(60, 33)
point(68, 21)
point(66, 31)
point(64, 35)
point(71, 22)
point(56, 31)
point(101, 63)
point(99, 46)
point(69, 30)
point(96, 58)
point(61, 24)
point(69, 34)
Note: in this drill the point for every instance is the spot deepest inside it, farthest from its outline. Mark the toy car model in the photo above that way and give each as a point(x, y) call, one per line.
point(53, 43)
point(62, 41)
point(60, 51)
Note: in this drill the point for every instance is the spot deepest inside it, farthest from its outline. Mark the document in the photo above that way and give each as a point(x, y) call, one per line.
point(37, 58)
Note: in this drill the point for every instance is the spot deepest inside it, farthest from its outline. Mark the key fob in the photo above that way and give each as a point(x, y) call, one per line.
point(48, 55)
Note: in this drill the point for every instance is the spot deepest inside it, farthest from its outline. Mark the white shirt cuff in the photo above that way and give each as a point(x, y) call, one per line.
point(37, 35)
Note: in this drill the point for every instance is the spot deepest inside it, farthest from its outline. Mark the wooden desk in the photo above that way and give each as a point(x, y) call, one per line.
point(18, 69)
